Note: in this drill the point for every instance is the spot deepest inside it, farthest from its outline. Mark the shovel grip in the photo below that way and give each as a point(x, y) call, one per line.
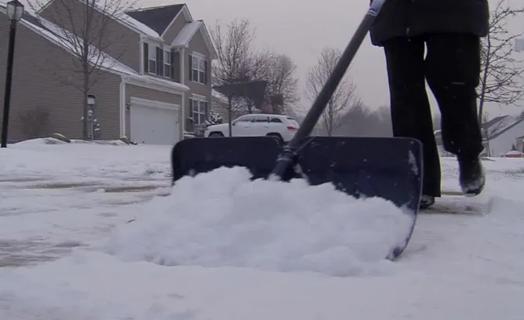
point(284, 167)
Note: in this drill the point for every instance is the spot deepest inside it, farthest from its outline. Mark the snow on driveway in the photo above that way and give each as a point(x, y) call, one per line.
point(60, 196)
point(93, 232)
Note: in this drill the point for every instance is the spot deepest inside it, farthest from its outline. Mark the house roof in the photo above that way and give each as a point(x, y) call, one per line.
point(157, 18)
point(498, 125)
point(153, 22)
point(52, 33)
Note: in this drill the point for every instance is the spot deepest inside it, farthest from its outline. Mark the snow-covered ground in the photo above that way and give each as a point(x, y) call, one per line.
point(95, 231)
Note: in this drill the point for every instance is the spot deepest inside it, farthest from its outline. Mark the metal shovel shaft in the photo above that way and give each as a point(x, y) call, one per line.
point(287, 157)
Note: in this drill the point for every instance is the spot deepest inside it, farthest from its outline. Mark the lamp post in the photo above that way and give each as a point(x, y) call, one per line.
point(91, 101)
point(15, 10)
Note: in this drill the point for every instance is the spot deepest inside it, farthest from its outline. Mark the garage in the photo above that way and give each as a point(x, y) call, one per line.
point(154, 122)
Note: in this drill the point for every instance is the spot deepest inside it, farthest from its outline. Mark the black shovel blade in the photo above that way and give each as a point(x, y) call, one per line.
point(199, 155)
point(389, 168)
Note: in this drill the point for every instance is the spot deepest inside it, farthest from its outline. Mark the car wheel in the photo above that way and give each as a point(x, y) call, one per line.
point(216, 134)
point(276, 136)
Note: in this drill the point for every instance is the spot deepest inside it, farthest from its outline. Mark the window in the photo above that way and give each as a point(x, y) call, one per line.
point(151, 59)
point(167, 64)
point(245, 119)
point(198, 69)
point(277, 120)
point(198, 110)
point(261, 119)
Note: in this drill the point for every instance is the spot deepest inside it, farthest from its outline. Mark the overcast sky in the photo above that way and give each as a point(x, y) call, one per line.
point(301, 29)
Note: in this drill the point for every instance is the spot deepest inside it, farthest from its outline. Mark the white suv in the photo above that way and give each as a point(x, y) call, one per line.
point(280, 126)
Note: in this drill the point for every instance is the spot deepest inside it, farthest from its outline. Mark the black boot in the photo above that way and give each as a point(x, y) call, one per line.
point(472, 178)
point(426, 201)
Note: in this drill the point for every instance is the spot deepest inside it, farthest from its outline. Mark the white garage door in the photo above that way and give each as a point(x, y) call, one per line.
point(154, 122)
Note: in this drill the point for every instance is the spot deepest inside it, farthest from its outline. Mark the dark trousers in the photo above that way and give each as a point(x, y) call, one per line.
point(450, 63)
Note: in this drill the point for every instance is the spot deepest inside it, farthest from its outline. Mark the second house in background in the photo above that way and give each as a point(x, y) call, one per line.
point(183, 52)
point(152, 85)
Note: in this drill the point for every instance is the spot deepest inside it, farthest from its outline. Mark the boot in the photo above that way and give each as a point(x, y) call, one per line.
point(426, 201)
point(472, 177)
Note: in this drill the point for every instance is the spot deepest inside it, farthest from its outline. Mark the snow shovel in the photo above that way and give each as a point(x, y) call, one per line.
point(390, 168)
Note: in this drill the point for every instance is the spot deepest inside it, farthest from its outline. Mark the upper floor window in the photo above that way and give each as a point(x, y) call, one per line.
point(151, 59)
point(167, 64)
point(158, 60)
point(198, 69)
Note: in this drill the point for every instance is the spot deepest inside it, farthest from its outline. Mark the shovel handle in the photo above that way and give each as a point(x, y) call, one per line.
point(287, 158)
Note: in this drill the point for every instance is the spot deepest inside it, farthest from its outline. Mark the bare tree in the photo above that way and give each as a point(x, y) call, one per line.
point(233, 44)
point(279, 72)
point(248, 78)
point(361, 121)
point(343, 98)
point(501, 71)
point(83, 27)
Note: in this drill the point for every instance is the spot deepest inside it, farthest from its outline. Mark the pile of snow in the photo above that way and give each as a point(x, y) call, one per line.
point(80, 160)
point(222, 218)
point(457, 266)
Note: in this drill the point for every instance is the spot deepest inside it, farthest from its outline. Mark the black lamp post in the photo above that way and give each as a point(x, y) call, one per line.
point(91, 101)
point(15, 10)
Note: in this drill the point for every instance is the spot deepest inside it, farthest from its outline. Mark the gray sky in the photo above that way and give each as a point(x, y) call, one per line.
point(301, 29)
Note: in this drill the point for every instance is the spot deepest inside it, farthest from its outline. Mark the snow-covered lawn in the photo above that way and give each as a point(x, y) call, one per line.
point(92, 231)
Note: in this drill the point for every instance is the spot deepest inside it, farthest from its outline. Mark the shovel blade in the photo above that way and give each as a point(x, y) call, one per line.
point(389, 168)
point(199, 155)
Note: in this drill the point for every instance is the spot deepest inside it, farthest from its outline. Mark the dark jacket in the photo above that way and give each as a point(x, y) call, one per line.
point(409, 18)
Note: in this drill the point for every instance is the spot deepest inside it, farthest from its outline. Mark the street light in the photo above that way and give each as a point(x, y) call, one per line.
point(91, 118)
point(15, 11)
point(91, 100)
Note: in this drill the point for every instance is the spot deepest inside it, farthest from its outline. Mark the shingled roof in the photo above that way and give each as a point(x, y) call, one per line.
point(157, 18)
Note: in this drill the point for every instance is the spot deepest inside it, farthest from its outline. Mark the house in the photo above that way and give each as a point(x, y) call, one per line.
point(500, 134)
point(520, 144)
point(153, 86)
point(504, 134)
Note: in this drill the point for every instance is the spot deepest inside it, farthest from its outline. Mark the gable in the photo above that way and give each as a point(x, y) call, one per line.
point(196, 36)
point(502, 125)
point(176, 27)
point(198, 44)
point(158, 18)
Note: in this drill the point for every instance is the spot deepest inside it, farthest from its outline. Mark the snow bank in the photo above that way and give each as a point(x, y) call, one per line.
point(223, 219)
point(80, 160)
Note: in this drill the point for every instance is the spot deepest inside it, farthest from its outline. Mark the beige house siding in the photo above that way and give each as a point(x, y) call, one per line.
point(42, 90)
point(175, 28)
point(198, 46)
point(151, 94)
point(148, 94)
point(120, 42)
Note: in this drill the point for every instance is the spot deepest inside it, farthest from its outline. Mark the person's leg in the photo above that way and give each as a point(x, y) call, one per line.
point(452, 71)
point(410, 110)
